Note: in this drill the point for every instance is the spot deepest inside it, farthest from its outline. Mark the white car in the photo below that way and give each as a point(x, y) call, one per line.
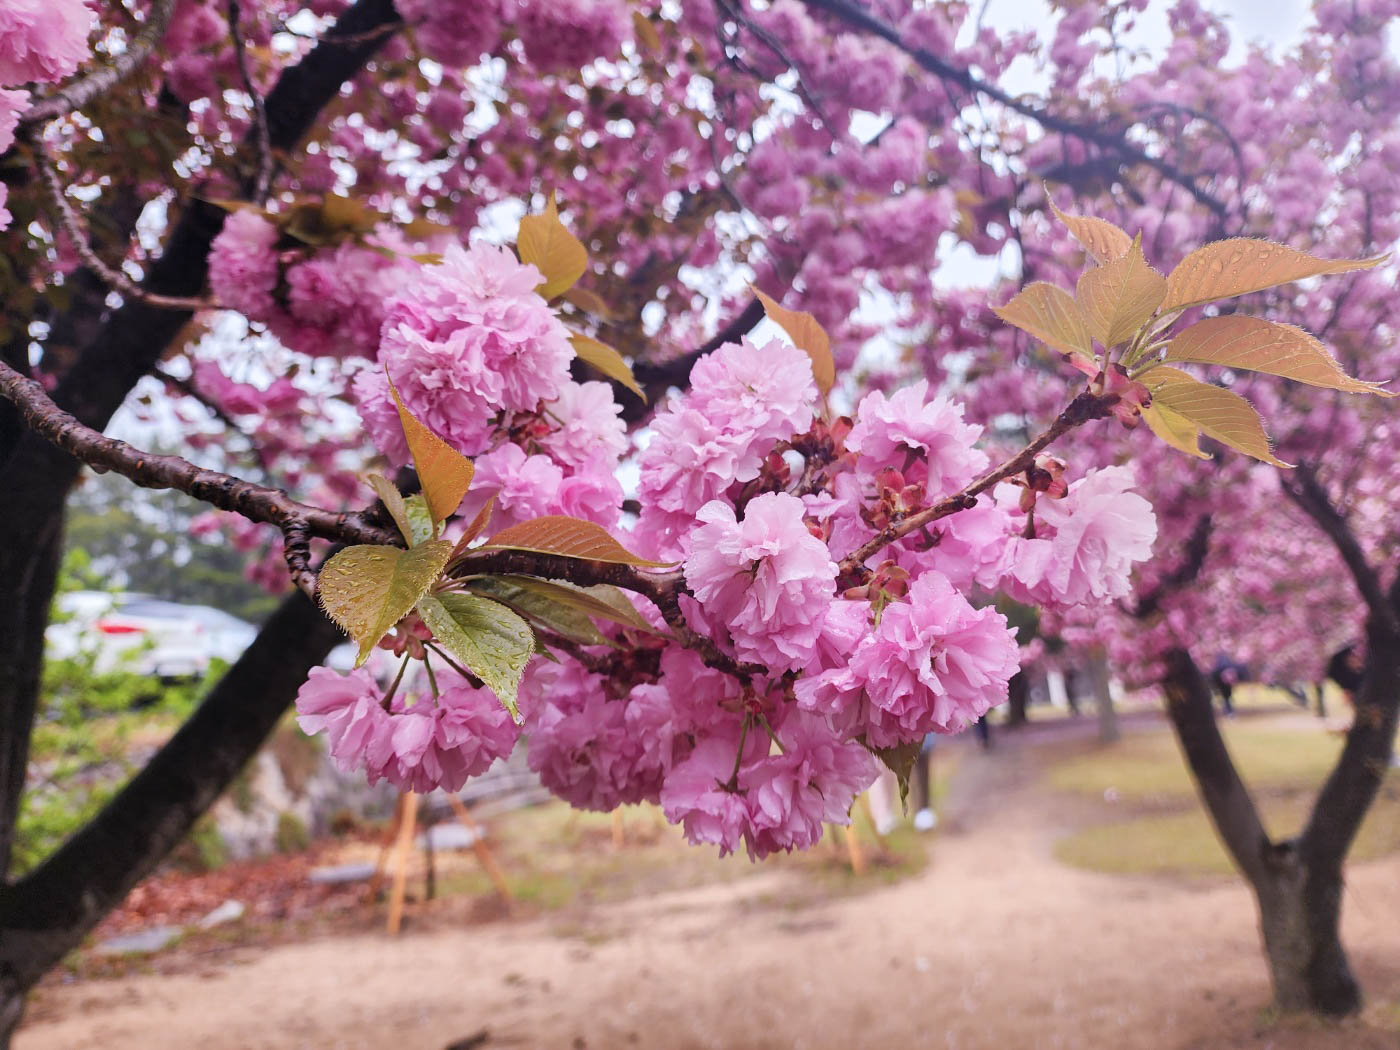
point(145, 635)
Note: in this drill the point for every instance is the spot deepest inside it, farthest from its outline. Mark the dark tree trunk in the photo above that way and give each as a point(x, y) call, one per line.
point(49, 911)
point(1298, 883)
point(1018, 692)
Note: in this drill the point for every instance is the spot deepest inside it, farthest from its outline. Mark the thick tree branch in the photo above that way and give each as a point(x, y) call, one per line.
point(1114, 142)
point(298, 521)
point(1304, 489)
point(1354, 781)
point(1226, 798)
point(49, 912)
point(1082, 409)
point(82, 91)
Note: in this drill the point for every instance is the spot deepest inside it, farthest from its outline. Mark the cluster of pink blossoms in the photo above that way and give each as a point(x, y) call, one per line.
point(41, 41)
point(763, 499)
point(320, 303)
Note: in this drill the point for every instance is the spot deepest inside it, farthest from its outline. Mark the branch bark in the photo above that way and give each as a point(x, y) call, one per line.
point(860, 18)
point(254, 502)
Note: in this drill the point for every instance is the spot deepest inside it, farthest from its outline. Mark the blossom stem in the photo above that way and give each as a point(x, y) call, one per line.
point(432, 678)
point(733, 783)
point(394, 686)
point(1088, 405)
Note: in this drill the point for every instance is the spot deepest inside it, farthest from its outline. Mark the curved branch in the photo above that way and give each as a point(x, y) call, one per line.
point(100, 81)
point(858, 17)
point(1082, 409)
point(67, 218)
point(298, 521)
point(1305, 490)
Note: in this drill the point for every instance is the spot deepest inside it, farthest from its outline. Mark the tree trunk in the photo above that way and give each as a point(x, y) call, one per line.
point(1018, 693)
point(1297, 884)
point(1103, 699)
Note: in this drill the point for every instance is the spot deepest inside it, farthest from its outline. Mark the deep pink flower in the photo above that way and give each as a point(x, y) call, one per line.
point(243, 267)
point(925, 440)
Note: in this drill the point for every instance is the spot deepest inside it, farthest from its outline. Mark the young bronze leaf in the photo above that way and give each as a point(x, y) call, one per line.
point(477, 526)
point(392, 498)
point(1219, 413)
point(1263, 346)
point(1174, 428)
point(568, 538)
point(492, 642)
point(1101, 239)
point(369, 588)
point(1242, 265)
point(444, 473)
point(547, 245)
point(1120, 296)
point(1051, 315)
point(601, 601)
point(807, 335)
point(606, 360)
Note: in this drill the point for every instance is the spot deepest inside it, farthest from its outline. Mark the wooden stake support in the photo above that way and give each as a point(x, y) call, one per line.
point(397, 848)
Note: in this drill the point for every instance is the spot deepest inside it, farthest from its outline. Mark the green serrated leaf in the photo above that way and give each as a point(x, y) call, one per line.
point(392, 499)
point(543, 609)
point(492, 642)
point(369, 588)
point(602, 601)
point(420, 519)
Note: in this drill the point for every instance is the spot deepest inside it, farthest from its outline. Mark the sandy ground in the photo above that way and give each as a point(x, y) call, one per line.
point(994, 945)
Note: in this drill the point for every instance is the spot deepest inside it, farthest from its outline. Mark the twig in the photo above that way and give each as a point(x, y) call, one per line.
point(68, 220)
point(261, 135)
point(254, 502)
point(1081, 410)
point(296, 548)
point(100, 81)
point(858, 17)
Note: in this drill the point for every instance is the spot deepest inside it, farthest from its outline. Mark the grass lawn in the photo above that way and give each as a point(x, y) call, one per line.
point(1148, 821)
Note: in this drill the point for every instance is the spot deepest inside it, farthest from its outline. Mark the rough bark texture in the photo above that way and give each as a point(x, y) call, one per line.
point(49, 911)
point(1297, 883)
point(1103, 699)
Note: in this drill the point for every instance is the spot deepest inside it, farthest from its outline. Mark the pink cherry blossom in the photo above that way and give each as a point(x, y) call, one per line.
point(766, 577)
point(42, 40)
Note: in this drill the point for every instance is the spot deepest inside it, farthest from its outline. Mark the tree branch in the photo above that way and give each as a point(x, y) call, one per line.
point(860, 18)
point(263, 181)
point(1226, 798)
point(1197, 547)
point(67, 220)
point(298, 521)
point(1305, 490)
point(100, 81)
point(1082, 409)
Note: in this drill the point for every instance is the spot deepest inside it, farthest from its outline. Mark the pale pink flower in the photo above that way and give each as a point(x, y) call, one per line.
point(469, 339)
point(925, 440)
point(43, 40)
point(766, 578)
point(1086, 544)
point(243, 268)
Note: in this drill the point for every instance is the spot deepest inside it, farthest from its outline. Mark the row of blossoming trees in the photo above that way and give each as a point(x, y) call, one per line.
point(297, 229)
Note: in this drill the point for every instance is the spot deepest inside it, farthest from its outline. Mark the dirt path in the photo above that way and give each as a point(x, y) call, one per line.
point(995, 945)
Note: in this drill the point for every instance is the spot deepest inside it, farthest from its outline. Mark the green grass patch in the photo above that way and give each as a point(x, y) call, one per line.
point(1149, 767)
point(1185, 844)
point(1156, 825)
